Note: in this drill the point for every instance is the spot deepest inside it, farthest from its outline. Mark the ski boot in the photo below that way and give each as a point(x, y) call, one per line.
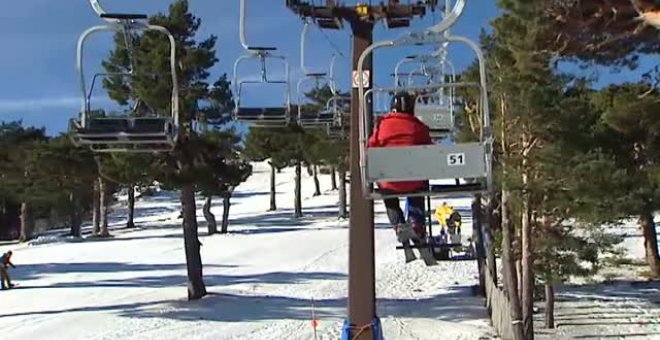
point(421, 241)
point(403, 235)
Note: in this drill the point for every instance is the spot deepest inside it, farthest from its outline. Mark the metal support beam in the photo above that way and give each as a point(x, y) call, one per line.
point(361, 268)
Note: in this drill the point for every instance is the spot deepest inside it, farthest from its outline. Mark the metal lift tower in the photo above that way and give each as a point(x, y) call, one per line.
point(362, 321)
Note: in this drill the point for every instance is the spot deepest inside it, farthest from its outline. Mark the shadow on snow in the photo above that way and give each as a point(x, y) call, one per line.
point(453, 306)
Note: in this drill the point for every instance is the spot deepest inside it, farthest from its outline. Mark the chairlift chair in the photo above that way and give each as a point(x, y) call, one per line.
point(421, 59)
point(321, 118)
point(435, 109)
point(339, 106)
point(124, 133)
point(463, 160)
point(260, 116)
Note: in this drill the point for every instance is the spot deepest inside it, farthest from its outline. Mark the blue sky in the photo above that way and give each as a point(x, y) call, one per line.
point(38, 82)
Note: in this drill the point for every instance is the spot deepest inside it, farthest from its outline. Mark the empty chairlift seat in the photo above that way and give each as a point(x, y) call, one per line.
point(316, 119)
point(124, 16)
point(437, 117)
point(126, 133)
point(125, 130)
point(272, 115)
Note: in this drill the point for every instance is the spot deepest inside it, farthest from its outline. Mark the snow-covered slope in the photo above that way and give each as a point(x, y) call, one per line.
point(264, 278)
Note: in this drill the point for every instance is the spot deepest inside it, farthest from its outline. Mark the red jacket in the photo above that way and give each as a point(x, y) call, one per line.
point(400, 129)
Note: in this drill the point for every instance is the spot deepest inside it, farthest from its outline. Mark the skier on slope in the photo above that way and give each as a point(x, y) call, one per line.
point(5, 261)
point(401, 128)
point(449, 218)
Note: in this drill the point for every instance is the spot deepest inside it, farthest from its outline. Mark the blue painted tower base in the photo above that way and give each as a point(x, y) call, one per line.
point(347, 334)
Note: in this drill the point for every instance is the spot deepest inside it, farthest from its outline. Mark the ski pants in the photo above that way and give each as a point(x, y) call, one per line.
point(4, 276)
point(416, 211)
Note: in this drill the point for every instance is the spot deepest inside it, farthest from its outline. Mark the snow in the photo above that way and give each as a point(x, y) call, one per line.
point(264, 278)
point(616, 303)
point(614, 310)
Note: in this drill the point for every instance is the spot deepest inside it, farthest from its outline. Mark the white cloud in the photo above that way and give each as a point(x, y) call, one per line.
point(41, 104)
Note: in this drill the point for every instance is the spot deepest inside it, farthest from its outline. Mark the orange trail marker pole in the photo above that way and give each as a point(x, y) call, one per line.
point(315, 322)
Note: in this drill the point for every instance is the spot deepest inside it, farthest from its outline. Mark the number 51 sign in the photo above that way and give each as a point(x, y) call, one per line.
point(455, 159)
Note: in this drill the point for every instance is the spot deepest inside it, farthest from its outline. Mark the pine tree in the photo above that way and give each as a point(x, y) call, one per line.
point(293, 153)
point(629, 135)
point(607, 32)
point(66, 174)
point(525, 94)
point(17, 170)
point(321, 148)
point(614, 35)
point(126, 170)
point(224, 170)
point(214, 115)
point(262, 144)
point(152, 86)
point(328, 150)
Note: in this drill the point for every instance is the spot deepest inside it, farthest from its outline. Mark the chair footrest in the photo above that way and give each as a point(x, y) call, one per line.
point(124, 16)
point(261, 48)
point(247, 112)
point(128, 126)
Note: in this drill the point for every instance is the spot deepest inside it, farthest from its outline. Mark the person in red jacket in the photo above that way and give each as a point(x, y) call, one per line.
point(401, 128)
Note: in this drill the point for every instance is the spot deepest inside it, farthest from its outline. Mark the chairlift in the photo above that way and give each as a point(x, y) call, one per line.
point(462, 160)
point(340, 107)
point(321, 118)
point(260, 116)
point(423, 60)
point(132, 132)
point(435, 109)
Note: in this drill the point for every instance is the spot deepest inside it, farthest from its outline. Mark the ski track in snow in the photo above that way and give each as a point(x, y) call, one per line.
point(262, 278)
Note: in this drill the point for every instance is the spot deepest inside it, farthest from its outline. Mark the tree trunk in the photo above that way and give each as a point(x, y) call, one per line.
point(273, 206)
point(74, 221)
point(527, 271)
point(208, 215)
point(527, 244)
point(333, 178)
point(527, 275)
point(549, 305)
point(317, 184)
point(104, 208)
point(477, 231)
point(131, 207)
point(650, 242)
point(298, 192)
point(96, 212)
point(27, 223)
point(494, 223)
point(343, 212)
point(519, 275)
point(509, 269)
point(196, 287)
point(226, 203)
